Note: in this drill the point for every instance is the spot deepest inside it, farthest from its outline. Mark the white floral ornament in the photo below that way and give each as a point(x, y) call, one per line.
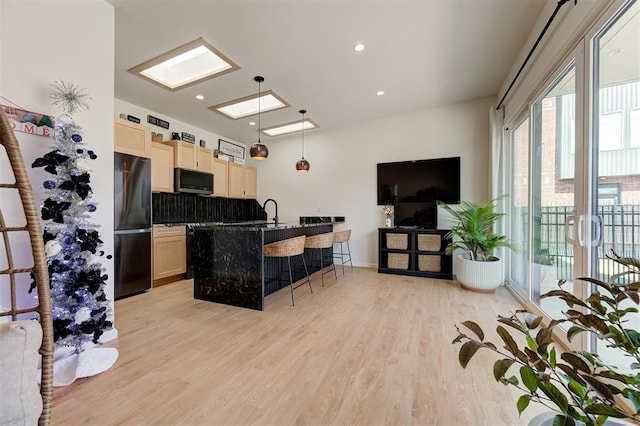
point(82, 165)
point(83, 314)
point(52, 248)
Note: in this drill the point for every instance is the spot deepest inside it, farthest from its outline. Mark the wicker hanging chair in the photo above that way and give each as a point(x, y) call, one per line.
point(39, 269)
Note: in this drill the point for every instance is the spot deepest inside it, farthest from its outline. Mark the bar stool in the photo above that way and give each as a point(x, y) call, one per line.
point(340, 238)
point(289, 248)
point(321, 241)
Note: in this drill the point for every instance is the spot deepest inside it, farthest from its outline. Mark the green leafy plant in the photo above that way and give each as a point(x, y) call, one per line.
point(577, 385)
point(472, 231)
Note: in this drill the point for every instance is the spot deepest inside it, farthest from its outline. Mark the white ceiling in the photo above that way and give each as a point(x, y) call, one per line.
point(423, 54)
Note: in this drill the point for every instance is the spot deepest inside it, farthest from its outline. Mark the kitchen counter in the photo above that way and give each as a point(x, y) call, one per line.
point(229, 263)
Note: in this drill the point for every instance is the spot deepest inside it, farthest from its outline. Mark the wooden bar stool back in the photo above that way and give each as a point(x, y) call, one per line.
point(320, 242)
point(289, 248)
point(341, 238)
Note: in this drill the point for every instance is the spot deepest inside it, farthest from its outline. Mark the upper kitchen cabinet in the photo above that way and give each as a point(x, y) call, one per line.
point(243, 181)
point(192, 157)
point(161, 167)
point(250, 182)
point(185, 154)
point(132, 138)
point(220, 170)
point(204, 159)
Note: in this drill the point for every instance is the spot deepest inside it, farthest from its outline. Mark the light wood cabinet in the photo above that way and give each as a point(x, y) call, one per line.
point(169, 251)
point(243, 181)
point(161, 167)
point(250, 182)
point(204, 159)
point(220, 169)
point(236, 180)
point(184, 154)
point(131, 138)
point(192, 157)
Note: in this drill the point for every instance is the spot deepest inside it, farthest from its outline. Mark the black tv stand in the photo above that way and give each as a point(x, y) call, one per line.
point(414, 251)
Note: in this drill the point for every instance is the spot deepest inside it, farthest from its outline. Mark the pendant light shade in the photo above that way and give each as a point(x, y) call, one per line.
point(258, 150)
point(302, 166)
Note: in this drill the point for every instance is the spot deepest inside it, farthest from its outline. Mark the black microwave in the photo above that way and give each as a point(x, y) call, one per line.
point(193, 181)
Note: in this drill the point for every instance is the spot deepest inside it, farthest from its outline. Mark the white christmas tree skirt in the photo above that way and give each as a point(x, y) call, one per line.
point(87, 363)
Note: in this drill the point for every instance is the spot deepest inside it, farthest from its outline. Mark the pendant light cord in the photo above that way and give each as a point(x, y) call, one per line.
point(302, 135)
point(259, 96)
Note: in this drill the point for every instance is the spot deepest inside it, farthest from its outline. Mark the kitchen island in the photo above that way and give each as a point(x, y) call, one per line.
point(230, 267)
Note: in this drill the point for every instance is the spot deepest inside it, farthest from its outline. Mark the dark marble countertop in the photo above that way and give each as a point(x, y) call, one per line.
point(255, 225)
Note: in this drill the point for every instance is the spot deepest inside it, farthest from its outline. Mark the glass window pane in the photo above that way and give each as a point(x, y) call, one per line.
point(634, 128)
point(552, 188)
point(610, 136)
point(519, 202)
point(616, 117)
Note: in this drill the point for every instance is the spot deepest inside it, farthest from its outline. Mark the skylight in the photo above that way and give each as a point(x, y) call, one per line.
point(186, 65)
point(244, 107)
point(295, 126)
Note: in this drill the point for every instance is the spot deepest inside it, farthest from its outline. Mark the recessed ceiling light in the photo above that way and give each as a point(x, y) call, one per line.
point(380, 92)
point(358, 47)
point(248, 105)
point(252, 123)
point(199, 97)
point(185, 66)
point(282, 129)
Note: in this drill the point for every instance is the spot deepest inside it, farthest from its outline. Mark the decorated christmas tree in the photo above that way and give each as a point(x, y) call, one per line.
point(72, 243)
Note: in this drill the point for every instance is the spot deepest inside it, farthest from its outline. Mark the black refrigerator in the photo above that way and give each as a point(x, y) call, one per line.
point(132, 224)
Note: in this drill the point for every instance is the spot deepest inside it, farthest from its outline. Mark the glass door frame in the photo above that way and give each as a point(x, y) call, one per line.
point(577, 59)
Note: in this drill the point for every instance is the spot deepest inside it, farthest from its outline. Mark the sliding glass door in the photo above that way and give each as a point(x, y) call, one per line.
point(615, 194)
point(553, 189)
point(575, 168)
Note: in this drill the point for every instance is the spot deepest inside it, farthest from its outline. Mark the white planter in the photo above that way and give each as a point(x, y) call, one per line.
point(546, 419)
point(482, 277)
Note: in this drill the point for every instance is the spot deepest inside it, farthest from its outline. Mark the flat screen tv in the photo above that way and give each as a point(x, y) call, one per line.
point(415, 187)
point(419, 181)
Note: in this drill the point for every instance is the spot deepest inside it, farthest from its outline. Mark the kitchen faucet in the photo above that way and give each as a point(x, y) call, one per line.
point(275, 219)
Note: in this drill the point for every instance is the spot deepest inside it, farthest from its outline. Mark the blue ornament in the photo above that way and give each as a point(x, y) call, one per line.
point(91, 208)
point(81, 262)
point(90, 152)
point(79, 151)
point(109, 256)
point(76, 138)
point(93, 157)
point(49, 184)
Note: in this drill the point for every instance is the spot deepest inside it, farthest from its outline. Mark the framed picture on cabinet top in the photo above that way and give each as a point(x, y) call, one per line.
point(230, 148)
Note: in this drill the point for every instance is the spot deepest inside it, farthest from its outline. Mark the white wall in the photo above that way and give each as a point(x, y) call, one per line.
point(342, 179)
point(44, 41)
point(174, 125)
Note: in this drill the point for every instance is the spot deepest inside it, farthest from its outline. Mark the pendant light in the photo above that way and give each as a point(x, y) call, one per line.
point(302, 166)
point(258, 151)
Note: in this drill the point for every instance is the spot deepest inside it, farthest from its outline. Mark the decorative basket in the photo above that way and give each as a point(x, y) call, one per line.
point(428, 242)
point(397, 241)
point(398, 261)
point(428, 263)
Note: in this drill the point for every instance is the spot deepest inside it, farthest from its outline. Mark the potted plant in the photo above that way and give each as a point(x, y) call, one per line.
point(477, 268)
point(577, 385)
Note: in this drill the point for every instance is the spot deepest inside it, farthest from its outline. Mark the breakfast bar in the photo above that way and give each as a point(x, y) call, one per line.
point(230, 266)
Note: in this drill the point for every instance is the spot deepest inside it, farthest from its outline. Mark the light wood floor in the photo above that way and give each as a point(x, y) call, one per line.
point(367, 349)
